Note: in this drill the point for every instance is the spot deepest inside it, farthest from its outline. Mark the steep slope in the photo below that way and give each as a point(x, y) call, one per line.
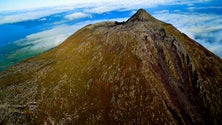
point(143, 71)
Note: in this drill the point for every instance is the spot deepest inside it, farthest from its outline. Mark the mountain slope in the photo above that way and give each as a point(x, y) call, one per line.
point(142, 71)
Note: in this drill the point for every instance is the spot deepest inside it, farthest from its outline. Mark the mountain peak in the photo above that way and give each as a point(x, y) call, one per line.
point(141, 15)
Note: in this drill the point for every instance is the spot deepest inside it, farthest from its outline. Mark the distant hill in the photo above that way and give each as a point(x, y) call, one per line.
point(139, 72)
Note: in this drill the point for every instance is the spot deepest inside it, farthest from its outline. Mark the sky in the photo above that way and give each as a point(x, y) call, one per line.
point(30, 27)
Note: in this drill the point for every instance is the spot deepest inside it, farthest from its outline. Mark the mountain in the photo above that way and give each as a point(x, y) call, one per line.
point(142, 71)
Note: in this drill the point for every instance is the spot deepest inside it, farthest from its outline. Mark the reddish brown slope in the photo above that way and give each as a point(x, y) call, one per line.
point(143, 72)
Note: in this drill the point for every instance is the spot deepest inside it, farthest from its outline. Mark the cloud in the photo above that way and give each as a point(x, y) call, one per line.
point(42, 19)
point(13, 17)
point(204, 28)
point(47, 39)
point(188, 2)
point(12, 5)
point(99, 10)
point(216, 48)
point(162, 12)
point(202, 8)
point(77, 15)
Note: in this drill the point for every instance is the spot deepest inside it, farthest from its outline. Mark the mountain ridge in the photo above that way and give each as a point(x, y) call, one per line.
point(143, 71)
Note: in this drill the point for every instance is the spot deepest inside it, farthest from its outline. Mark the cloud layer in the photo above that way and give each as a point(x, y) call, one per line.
point(77, 15)
point(14, 17)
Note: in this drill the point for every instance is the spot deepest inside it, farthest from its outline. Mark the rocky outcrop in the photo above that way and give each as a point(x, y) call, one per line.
point(143, 71)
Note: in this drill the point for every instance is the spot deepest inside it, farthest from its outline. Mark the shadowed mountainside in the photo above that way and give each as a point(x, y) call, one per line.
point(142, 71)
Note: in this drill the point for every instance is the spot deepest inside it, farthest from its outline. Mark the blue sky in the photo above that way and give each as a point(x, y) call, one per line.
point(30, 27)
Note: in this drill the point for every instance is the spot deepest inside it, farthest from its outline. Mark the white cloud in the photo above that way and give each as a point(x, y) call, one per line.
point(42, 19)
point(30, 14)
point(204, 28)
point(188, 2)
point(177, 11)
point(47, 39)
point(77, 15)
point(208, 7)
point(11, 5)
point(99, 10)
point(162, 12)
point(216, 48)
